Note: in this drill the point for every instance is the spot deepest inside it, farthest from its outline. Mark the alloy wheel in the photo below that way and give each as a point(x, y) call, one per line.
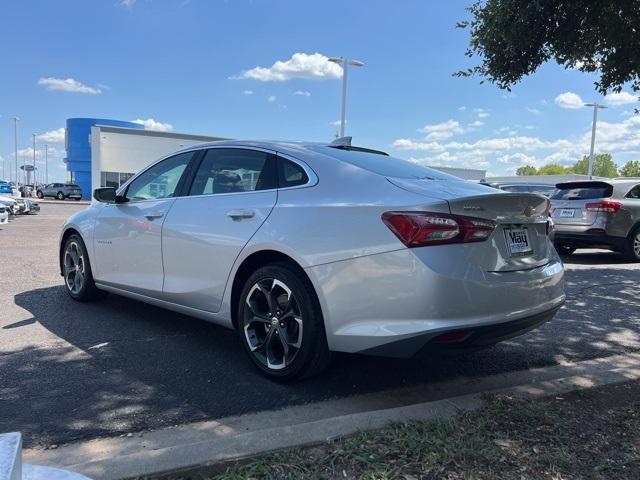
point(74, 268)
point(636, 245)
point(272, 323)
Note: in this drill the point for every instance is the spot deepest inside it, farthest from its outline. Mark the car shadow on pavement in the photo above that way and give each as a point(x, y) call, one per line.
point(119, 366)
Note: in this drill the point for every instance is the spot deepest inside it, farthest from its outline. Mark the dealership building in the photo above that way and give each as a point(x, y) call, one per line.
point(105, 153)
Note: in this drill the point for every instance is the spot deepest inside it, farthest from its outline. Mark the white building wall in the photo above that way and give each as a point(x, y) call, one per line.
point(125, 150)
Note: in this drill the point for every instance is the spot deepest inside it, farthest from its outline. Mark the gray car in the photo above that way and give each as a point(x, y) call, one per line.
point(307, 248)
point(598, 214)
point(60, 191)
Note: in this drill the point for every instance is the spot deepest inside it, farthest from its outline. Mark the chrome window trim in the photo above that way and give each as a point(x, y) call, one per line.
point(311, 175)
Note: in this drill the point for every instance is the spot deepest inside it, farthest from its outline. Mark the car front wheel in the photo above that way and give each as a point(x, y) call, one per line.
point(40, 195)
point(60, 196)
point(76, 269)
point(280, 323)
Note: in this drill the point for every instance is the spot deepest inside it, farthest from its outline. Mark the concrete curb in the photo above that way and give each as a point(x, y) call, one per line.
point(209, 443)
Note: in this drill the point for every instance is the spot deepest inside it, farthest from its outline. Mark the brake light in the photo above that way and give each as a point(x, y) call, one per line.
point(607, 206)
point(418, 229)
point(550, 226)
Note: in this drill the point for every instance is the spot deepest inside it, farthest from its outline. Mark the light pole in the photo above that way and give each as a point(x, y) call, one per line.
point(344, 63)
point(595, 106)
point(46, 164)
point(15, 145)
point(33, 178)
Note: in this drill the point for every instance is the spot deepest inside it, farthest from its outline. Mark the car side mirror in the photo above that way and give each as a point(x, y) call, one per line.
point(105, 195)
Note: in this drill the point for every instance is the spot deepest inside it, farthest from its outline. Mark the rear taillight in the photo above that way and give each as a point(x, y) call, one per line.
point(607, 206)
point(550, 226)
point(418, 229)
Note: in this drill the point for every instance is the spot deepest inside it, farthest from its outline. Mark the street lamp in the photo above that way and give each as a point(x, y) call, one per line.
point(344, 63)
point(15, 144)
point(33, 179)
point(46, 164)
point(595, 106)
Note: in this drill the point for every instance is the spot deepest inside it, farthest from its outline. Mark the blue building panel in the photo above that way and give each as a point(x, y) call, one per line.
point(78, 147)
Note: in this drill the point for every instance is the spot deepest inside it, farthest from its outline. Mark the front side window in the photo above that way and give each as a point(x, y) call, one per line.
point(161, 180)
point(233, 170)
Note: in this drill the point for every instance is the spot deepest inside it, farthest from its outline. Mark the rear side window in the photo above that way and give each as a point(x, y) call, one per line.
point(233, 170)
point(515, 188)
point(582, 191)
point(634, 192)
point(290, 174)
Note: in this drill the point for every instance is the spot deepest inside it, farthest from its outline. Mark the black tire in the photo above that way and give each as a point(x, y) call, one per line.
point(88, 290)
point(632, 246)
point(40, 195)
point(300, 321)
point(77, 199)
point(565, 249)
point(60, 196)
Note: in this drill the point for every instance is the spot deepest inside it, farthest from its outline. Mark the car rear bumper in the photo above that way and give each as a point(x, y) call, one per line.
point(589, 240)
point(395, 303)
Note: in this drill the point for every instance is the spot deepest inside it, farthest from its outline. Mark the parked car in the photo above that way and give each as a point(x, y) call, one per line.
point(598, 214)
point(539, 188)
point(4, 214)
point(60, 191)
point(5, 188)
point(34, 207)
point(10, 203)
point(309, 248)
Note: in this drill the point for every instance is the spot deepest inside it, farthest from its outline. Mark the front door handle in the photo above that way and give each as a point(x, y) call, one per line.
point(240, 214)
point(153, 215)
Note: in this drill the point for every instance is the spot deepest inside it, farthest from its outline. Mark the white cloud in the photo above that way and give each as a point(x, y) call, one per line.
point(477, 123)
point(247, 92)
point(481, 112)
point(302, 93)
point(128, 3)
point(483, 115)
point(569, 100)
point(622, 98)
point(67, 85)
point(336, 123)
point(271, 98)
point(408, 144)
point(151, 124)
point(535, 111)
point(52, 136)
point(441, 131)
point(300, 65)
point(462, 108)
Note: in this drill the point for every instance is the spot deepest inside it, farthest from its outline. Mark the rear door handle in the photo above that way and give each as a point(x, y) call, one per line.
point(153, 215)
point(240, 214)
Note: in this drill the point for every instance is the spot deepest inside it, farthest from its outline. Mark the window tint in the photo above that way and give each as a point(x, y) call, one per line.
point(290, 174)
point(634, 192)
point(515, 188)
point(543, 190)
point(582, 191)
point(161, 180)
point(230, 170)
point(384, 164)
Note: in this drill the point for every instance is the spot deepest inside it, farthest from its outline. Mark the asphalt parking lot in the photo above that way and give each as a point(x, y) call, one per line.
point(72, 371)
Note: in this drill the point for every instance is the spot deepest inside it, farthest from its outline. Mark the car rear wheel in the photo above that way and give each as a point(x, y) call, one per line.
point(632, 250)
point(60, 196)
point(40, 195)
point(280, 324)
point(76, 269)
point(565, 249)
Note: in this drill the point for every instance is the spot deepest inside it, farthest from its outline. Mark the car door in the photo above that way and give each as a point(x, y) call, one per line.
point(231, 194)
point(127, 235)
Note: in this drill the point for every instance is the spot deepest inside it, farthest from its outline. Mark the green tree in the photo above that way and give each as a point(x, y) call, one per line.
point(630, 169)
point(527, 170)
point(553, 169)
point(603, 166)
point(512, 38)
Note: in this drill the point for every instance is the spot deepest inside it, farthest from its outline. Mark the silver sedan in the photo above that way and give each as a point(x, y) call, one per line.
point(307, 249)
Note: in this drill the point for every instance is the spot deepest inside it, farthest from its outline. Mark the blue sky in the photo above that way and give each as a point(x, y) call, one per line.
point(190, 66)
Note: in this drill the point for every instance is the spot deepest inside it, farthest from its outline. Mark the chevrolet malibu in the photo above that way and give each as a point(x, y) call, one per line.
point(306, 249)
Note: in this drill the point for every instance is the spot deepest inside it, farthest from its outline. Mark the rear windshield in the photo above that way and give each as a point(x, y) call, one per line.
point(385, 165)
point(582, 191)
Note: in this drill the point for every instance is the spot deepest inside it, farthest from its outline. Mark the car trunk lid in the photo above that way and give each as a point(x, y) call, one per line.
point(519, 241)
